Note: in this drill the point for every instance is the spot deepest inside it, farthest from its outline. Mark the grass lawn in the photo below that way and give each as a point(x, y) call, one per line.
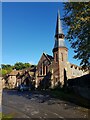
point(71, 97)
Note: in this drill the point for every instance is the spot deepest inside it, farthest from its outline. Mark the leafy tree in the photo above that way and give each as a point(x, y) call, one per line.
point(27, 65)
point(6, 69)
point(20, 65)
point(3, 66)
point(4, 72)
point(77, 19)
point(9, 70)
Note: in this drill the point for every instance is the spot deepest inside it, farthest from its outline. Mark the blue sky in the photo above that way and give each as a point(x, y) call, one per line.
point(28, 30)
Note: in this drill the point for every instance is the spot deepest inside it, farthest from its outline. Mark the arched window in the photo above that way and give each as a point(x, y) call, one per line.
point(46, 69)
point(40, 70)
point(56, 57)
point(62, 56)
point(43, 69)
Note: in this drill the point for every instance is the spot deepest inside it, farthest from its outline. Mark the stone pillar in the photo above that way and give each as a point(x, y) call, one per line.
point(36, 81)
point(52, 80)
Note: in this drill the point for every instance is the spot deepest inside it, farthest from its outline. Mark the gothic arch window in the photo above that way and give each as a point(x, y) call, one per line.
point(56, 79)
point(62, 56)
point(46, 69)
point(40, 70)
point(43, 69)
point(56, 57)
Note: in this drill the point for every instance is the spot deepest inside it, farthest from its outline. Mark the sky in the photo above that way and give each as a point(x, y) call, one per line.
point(28, 30)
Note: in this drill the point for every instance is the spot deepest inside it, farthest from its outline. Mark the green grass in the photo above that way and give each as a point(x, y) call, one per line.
point(71, 97)
point(5, 117)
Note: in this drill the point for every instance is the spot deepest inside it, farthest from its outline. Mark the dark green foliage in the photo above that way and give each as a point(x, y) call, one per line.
point(6, 69)
point(77, 19)
point(3, 72)
point(3, 66)
point(18, 66)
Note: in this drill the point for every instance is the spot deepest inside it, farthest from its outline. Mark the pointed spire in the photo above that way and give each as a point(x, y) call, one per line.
point(59, 36)
point(58, 25)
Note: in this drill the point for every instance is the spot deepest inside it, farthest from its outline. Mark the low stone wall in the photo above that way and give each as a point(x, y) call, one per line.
point(81, 85)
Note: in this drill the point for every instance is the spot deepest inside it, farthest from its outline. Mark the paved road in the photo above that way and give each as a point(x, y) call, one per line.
point(37, 105)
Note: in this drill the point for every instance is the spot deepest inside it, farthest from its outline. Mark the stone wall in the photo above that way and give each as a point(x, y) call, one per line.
point(12, 81)
point(74, 71)
point(42, 69)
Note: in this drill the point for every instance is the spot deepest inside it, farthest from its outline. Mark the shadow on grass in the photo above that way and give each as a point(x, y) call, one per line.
point(70, 96)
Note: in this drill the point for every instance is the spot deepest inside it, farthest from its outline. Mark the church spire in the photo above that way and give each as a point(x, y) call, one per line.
point(59, 31)
point(58, 24)
point(59, 36)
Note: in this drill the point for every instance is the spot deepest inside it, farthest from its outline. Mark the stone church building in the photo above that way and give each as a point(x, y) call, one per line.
point(56, 68)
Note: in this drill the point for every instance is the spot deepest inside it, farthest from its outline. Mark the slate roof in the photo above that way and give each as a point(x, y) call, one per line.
point(14, 72)
point(49, 57)
point(58, 25)
point(30, 69)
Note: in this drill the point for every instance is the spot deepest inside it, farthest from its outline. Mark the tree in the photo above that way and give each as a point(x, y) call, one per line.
point(4, 72)
point(77, 19)
point(3, 66)
point(6, 69)
point(17, 66)
point(26, 65)
point(20, 65)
